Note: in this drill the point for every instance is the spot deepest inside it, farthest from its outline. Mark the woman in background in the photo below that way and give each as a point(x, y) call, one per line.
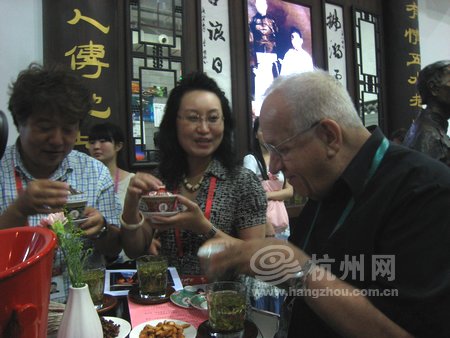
point(258, 161)
point(105, 143)
point(106, 140)
point(263, 295)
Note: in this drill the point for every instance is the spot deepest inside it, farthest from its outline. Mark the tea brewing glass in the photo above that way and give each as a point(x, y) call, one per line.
point(152, 273)
point(227, 304)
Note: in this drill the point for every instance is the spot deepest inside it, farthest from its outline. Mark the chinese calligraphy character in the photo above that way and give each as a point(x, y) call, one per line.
point(101, 114)
point(217, 33)
point(97, 113)
point(88, 55)
point(336, 51)
point(412, 8)
point(213, 2)
point(382, 266)
point(337, 74)
point(413, 79)
point(415, 59)
point(333, 21)
point(205, 56)
point(93, 22)
point(81, 140)
point(325, 263)
point(203, 20)
point(415, 101)
point(412, 35)
point(217, 65)
point(352, 265)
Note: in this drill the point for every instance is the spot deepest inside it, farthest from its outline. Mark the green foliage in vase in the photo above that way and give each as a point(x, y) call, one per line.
point(71, 243)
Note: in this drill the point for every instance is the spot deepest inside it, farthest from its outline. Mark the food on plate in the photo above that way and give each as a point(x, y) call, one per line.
point(110, 329)
point(164, 329)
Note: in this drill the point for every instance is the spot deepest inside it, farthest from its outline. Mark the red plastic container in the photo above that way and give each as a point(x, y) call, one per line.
point(26, 258)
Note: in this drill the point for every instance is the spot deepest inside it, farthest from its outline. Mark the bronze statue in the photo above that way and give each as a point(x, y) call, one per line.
point(428, 132)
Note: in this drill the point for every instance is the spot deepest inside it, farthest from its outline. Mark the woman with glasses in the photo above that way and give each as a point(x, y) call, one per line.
point(198, 163)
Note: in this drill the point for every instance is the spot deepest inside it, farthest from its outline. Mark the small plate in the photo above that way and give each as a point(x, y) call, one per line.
point(199, 302)
point(124, 328)
point(197, 288)
point(183, 296)
point(164, 213)
point(135, 296)
point(160, 213)
point(189, 332)
point(79, 221)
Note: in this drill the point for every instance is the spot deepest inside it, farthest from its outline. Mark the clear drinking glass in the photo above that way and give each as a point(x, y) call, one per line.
point(227, 304)
point(152, 273)
point(94, 277)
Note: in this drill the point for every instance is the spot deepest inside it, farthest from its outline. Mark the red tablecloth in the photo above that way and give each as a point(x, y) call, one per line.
point(144, 313)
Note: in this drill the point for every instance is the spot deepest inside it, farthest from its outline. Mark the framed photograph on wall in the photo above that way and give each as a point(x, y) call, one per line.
point(280, 43)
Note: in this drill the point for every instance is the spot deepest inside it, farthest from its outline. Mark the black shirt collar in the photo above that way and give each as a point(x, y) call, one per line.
point(357, 171)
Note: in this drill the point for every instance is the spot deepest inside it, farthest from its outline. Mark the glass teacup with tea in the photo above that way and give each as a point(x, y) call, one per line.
point(227, 304)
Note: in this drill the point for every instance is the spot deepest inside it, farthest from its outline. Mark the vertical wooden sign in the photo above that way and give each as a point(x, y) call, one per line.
point(402, 46)
point(88, 37)
point(216, 43)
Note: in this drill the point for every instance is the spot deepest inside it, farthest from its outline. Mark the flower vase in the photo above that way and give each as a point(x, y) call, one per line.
point(80, 319)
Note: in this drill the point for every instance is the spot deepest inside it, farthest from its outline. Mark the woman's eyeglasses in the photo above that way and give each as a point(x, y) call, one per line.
point(196, 119)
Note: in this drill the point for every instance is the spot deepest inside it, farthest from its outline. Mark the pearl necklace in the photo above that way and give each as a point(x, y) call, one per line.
point(190, 187)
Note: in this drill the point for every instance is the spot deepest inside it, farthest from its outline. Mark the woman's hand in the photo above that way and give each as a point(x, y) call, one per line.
point(140, 184)
point(191, 218)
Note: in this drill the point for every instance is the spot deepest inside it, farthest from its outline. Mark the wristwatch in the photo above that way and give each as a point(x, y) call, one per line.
point(297, 281)
point(102, 231)
point(210, 234)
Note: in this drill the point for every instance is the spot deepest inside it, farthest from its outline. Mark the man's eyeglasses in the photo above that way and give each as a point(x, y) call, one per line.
point(196, 119)
point(276, 149)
